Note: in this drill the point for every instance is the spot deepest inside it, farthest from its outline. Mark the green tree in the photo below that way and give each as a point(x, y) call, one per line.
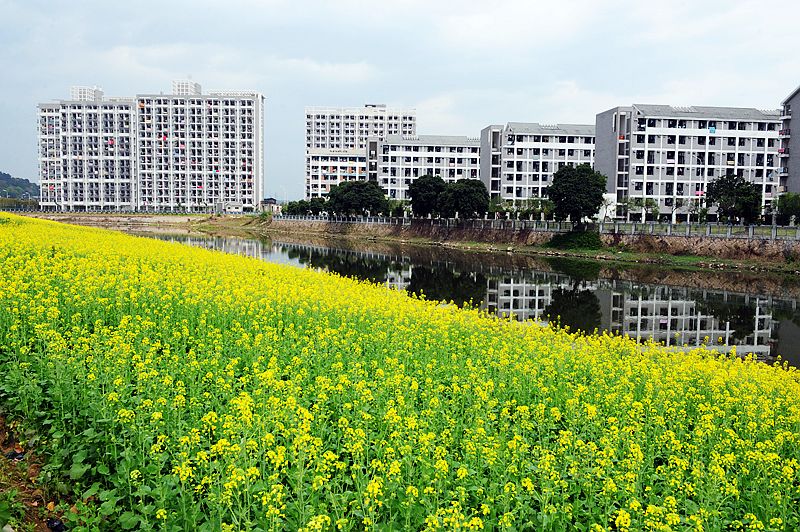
point(646, 205)
point(316, 205)
point(467, 197)
point(297, 208)
point(15, 187)
point(576, 193)
point(735, 198)
point(357, 197)
point(788, 206)
point(424, 193)
point(397, 208)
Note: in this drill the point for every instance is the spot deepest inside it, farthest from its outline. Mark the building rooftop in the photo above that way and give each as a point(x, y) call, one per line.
point(786, 100)
point(428, 140)
point(550, 129)
point(719, 113)
point(352, 108)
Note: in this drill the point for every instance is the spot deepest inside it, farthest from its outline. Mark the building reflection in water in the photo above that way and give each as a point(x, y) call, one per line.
point(674, 316)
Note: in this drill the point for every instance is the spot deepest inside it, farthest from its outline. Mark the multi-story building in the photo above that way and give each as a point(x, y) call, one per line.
point(86, 152)
point(336, 140)
point(518, 160)
point(196, 152)
point(670, 154)
point(180, 152)
point(397, 160)
point(789, 151)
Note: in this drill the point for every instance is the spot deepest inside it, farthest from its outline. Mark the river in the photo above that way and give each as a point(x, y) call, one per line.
point(755, 312)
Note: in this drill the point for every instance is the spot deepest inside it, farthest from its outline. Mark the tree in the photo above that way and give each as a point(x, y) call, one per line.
point(646, 205)
point(297, 208)
point(357, 197)
point(735, 198)
point(397, 208)
point(467, 197)
point(316, 205)
point(424, 193)
point(698, 210)
point(576, 193)
point(788, 206)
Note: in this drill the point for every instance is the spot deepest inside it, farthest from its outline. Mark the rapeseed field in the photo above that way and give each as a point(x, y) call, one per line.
point(175, 388)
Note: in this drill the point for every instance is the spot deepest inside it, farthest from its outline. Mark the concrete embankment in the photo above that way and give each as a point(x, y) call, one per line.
point(777, 251)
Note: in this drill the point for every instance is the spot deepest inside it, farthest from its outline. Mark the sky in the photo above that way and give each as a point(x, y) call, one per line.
point(462, 65)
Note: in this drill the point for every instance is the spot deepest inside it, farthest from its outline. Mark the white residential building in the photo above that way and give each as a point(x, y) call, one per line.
point(336, 140)
point(518, 160)
point(199, 152)
point(670, 154)
point(86, 155)
point(184, 152)
point(397, 160)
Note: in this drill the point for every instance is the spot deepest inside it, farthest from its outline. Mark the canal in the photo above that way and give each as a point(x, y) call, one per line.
point(757, 313)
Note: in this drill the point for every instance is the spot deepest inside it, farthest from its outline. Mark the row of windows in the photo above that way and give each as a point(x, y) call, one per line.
point(563, 139)
point(703, 140)
point(707, 124)
point(431, 160)
point(533, 152)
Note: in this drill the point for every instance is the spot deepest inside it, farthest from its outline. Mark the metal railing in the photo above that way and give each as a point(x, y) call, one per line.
point(746, 232)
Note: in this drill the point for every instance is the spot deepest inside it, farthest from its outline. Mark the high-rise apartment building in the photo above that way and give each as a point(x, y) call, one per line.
point(336, 140)
point(518, 160)
point(86, 154)
point(789, 151)
point(394, 162)
point(185, 151)
point(196, 152)
point(670, 154)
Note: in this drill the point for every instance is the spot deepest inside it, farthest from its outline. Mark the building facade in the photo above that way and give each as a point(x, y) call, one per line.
point(198, 152)
point(185, 151)
point(518, 160)
point(86, 153)
point(336, 142)
point(670, 154)
point(394, 162)
point(789, 151)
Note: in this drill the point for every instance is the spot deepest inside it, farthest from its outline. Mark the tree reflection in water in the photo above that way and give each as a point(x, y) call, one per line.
point(346, 264)
point(444, 285)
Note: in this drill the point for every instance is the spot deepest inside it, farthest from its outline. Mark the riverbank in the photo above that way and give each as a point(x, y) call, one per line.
point(658, 250)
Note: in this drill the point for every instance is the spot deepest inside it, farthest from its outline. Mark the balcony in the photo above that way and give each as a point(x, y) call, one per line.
point(784, 132)
point(784, 152)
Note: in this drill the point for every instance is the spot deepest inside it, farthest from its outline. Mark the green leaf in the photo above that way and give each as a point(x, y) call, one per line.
point(109, 507)
point(79, 457)
point(78, 470)
point(128, 520)
point(91, 491)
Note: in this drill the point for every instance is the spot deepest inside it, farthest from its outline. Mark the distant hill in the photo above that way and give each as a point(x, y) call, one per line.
point(14, 187)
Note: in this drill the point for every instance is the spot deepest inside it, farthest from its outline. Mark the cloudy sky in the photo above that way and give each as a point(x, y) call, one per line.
point(461, 65)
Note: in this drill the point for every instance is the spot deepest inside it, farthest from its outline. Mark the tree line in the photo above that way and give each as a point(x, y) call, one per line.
point(575, 193)
point(430, 196)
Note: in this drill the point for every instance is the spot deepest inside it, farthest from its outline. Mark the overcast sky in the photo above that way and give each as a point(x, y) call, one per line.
point(461, 65)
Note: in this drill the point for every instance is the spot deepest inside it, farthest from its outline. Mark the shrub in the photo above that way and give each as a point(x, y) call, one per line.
point(576, 240)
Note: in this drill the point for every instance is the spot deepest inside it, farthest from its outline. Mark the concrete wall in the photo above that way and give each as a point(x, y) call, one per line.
point(605, 152)
point(793, 163)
